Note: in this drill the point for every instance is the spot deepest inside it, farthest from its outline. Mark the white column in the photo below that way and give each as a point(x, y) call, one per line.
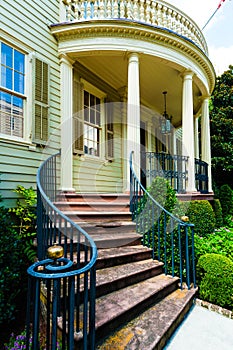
point(125, 159)
point(196, 138)
point(133, 114)
point(188, 128)
point(205, 138)
point(66, 124)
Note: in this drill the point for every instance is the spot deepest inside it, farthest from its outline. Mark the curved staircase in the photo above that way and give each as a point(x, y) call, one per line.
point(137, 306)
point(120, 297)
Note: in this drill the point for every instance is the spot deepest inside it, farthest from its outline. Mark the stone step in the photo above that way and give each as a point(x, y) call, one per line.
point(114, 309)
point(107, 240)
point(122, 255)
point(94, 197)
point(153, 327)
point(108, 226)
point(93, 206)
point(117, 277)
point(82, 217)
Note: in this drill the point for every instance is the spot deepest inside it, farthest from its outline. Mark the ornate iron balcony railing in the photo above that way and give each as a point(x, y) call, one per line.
point(67, 284)
point(201, 176)
point(151, 12)
point(171, 167)
point(171, 239)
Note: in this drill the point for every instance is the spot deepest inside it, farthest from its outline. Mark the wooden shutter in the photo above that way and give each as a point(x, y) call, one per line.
point(41, 102)
point(78, 118)
point(109, 132)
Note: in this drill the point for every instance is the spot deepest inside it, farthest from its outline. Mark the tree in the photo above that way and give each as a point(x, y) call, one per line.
point(221, 126)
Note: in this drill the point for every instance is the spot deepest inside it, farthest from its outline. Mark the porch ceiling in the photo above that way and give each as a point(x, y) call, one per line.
point(156, 75)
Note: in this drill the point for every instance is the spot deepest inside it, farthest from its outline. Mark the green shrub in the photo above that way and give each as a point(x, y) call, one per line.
point(12, 268)
point(226, 199)
point(25, 213)
point(163, 193)
point(220, 242)
point(201, 214)
point(217, 208)
point(215, 279)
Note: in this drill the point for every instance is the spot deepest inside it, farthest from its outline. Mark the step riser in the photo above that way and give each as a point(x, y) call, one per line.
point(111, 325)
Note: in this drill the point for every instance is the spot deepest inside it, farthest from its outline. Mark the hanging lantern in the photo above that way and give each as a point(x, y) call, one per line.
point(165, 120)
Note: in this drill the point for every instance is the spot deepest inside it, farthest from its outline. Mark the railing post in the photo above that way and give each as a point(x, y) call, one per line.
point(39, 225)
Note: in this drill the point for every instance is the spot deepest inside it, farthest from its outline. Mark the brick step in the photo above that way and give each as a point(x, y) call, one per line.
point(153, 327)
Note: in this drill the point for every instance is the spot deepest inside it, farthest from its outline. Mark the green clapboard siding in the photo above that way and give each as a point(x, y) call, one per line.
point(24, 24)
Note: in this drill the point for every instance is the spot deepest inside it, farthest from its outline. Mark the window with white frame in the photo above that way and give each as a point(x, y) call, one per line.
point(93, 131)
point(12, 89)
point(92, 124)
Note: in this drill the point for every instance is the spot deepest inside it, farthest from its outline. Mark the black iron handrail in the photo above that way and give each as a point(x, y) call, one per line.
point(70, 296)
point(171, 239)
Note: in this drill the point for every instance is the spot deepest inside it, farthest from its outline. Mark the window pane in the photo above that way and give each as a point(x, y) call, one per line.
point(17, 106)
point(92, 100)
point(97, 118)
point(5, 100)
point(6, 77)
point(86, 114)
point(6, 55)
point(86, 99)
point(19, 61)
point(18, 82)
point(92, 116)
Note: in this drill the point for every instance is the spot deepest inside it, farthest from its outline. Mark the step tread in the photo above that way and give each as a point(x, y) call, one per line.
point(93, 213)
point(113, 305)
point(121, 251)
point(85, 203)
point(110, 274)
point(152, 328)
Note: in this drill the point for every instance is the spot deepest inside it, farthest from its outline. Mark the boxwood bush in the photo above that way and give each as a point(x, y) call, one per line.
point(226, 199)
point(215, 279)
point(217, 208)
point(201, 214)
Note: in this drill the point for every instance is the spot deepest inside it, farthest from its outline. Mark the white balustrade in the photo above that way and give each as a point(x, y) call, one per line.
point(154, 12)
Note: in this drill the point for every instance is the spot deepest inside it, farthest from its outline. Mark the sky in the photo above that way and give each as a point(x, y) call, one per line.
point(218, 33)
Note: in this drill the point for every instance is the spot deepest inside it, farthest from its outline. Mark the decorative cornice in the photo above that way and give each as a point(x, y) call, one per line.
point(138, 31)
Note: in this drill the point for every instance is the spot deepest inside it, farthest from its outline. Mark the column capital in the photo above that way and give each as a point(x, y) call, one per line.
point(187, 74)
point(133, 57)
point(205, 97)
point(65, 59)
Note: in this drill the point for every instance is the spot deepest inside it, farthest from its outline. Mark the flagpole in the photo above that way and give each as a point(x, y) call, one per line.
point(219, 5)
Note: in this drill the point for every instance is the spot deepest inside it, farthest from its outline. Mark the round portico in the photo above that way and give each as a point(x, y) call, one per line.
point(138, 61)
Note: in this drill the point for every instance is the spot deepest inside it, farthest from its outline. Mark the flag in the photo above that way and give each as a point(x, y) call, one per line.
point(220, 4)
